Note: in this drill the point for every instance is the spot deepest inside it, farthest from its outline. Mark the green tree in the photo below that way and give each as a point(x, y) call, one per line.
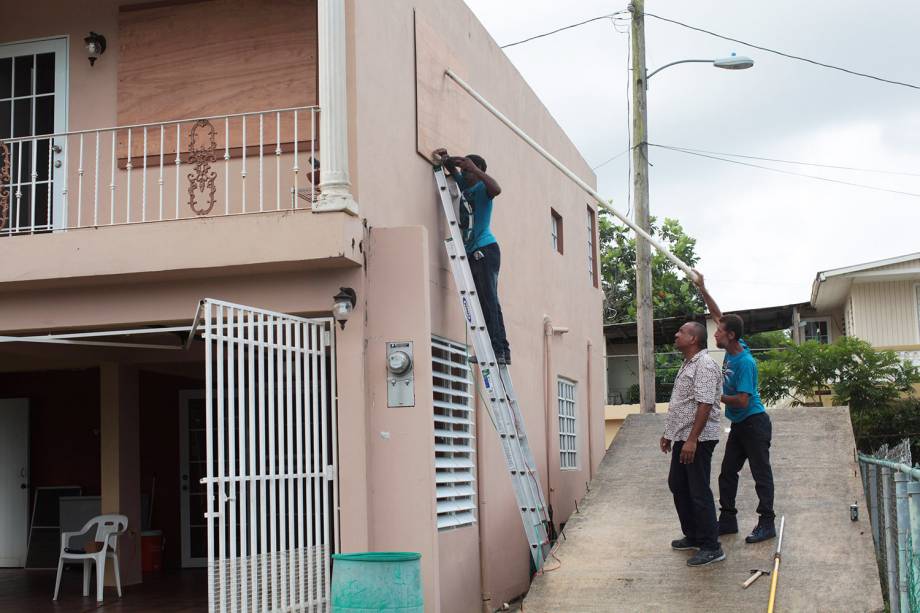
point(672, 293)
point(859, 376)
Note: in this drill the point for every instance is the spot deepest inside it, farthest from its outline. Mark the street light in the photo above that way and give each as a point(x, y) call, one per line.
point(732, 62)
point(645, 336)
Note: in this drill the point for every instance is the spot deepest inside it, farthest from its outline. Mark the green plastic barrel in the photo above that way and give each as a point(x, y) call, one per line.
point(377, 581)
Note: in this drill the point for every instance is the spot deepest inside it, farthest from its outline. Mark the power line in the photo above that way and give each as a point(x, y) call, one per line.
point(786, 55)
point(723, 37)
point(619, 155)
point(556, 31)
point(788, 172)
point(765, 159)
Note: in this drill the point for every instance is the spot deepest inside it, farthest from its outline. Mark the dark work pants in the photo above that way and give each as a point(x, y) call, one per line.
point(749, 440)
point(692, 496)
point(485, 276)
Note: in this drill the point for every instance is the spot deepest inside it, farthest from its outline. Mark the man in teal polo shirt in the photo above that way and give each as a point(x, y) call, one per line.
point(484, 255)
point(751, 430)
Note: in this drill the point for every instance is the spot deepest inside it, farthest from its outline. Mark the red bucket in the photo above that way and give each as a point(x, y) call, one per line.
point(152, 551)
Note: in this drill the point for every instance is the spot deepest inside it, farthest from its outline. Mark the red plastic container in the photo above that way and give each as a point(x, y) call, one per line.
point(152, 551)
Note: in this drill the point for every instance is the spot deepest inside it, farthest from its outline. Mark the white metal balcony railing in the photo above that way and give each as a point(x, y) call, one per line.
point(159, 171)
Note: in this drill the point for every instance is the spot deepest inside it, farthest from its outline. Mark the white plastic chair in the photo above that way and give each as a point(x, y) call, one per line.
point(108, 529)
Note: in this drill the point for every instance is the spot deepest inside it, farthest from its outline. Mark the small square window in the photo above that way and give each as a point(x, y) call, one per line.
point(817, 330)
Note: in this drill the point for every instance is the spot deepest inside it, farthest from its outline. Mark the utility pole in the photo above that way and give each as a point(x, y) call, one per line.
point(644, 317)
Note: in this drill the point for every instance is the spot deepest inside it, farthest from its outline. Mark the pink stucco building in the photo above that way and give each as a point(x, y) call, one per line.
point(133, 211)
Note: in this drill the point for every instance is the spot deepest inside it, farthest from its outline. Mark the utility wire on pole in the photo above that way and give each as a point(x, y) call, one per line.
point(644, 316)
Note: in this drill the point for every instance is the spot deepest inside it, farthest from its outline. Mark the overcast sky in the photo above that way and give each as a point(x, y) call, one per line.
point(761, 236)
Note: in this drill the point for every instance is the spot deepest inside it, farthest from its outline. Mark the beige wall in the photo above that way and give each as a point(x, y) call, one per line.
point(885, 313)
point(396, 188)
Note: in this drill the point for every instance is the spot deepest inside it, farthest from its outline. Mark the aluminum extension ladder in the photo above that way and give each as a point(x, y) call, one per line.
point(501, 401)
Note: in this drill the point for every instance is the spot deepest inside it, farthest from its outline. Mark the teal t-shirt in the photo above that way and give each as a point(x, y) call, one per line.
point(475, 222)
point(739, 374)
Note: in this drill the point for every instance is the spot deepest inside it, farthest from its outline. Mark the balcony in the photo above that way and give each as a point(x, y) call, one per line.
point(169, 197)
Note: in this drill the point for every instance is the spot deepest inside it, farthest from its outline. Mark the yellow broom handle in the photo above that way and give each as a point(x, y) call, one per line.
point(773, 579)
point(776, 558)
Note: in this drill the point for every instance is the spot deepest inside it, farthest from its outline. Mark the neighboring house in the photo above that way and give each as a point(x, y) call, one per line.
point(878, 302)
point(177, 167)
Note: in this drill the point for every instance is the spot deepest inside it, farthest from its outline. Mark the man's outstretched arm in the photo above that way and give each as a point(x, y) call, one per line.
point(709, 300)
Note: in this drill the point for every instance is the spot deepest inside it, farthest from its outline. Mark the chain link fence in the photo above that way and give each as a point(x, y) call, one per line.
point(892, 488)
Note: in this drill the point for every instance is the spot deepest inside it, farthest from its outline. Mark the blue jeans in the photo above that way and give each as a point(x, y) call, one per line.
point(485, 276)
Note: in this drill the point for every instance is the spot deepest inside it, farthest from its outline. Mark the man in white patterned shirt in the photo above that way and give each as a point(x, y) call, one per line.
point(692, 430)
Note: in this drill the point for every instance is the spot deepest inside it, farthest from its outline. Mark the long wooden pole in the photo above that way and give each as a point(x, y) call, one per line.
point(645, 330)
point(776, 558)
point(571, 175)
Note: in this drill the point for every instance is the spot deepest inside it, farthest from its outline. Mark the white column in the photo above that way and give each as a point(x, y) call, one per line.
point(335, 185)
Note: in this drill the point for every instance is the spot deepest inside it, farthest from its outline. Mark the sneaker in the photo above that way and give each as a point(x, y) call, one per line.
point(762, 531)
point(728, 524)
point(684, 544)
point(706, 556)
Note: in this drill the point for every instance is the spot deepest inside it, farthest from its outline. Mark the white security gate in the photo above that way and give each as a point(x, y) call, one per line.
point(271, 458)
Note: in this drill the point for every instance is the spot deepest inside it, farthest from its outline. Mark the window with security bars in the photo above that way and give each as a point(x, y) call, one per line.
point(568, 439)
point(453, 434)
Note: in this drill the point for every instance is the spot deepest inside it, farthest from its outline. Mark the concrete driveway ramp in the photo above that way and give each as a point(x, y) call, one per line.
point(617, 554)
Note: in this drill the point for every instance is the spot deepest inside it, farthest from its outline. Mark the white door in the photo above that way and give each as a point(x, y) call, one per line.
point(33, 165)
point(14, 481)
point(192, 463)
point(271, 458)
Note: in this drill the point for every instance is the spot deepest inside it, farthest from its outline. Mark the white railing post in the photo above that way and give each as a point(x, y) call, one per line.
point(112, 182)
point(128, 166)
point(277, 161)
point(96, 182)
point(227, 166)
point(34, 176)
point(335, 184)
point(144, 183)
point(161, 181)
point(296, 168)
point(80, 187)
point(178, 163)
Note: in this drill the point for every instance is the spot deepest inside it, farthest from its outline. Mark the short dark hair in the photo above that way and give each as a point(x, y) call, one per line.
point(734, 324)
point(478, 160)
point(699, 333)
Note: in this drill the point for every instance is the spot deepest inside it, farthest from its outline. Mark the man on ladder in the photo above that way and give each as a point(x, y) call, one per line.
point(481, 246)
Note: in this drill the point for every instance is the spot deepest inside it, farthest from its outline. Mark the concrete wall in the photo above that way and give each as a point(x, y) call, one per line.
point(395, 188)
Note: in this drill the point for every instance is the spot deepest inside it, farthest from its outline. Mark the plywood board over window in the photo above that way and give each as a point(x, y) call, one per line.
point(181, 59)
point(442, 109)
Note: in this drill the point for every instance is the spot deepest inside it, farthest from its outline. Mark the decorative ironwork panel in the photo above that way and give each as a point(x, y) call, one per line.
point(201, 157)
point(5, 185)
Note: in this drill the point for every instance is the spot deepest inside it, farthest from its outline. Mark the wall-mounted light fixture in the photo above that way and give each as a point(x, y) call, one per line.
point(95, 46)
point(343, 304)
